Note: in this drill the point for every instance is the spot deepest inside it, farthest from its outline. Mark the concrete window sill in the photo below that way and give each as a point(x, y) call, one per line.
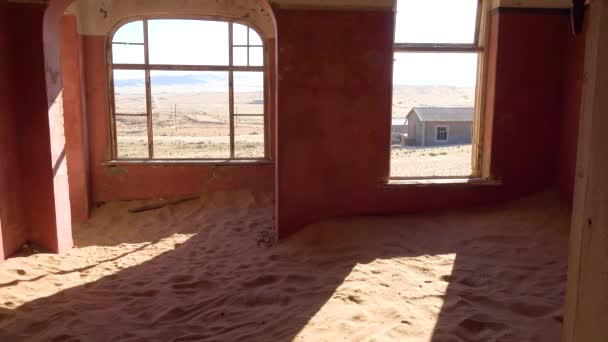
point(210, 162)
point(441, 182)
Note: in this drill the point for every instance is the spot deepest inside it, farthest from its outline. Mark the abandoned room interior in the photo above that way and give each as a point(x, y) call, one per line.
point(303, 170)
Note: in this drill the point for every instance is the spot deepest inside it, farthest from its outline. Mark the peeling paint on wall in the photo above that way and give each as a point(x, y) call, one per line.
point(98, 17)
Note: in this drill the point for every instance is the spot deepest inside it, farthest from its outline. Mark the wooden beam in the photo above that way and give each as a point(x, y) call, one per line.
point(586, 316)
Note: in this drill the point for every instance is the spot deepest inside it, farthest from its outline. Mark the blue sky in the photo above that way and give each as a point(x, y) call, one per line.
point(418, 21)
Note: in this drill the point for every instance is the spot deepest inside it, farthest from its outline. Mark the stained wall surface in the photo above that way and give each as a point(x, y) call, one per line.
point(149, 181)
point(12, 225)
point(334, 111)
point(331, 117)
point(31, 115)
point(74, 103)
point(35, 182)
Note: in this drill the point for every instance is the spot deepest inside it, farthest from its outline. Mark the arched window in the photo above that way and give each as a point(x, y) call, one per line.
point(187, 89)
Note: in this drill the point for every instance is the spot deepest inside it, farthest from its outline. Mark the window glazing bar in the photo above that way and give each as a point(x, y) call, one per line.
point(131, 114)
point(148, 94)
point(231, 88)
point(432, 47)
point(186, 67)
point(126, 43)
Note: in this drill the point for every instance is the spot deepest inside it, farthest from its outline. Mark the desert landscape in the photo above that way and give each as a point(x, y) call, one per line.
point(209, 270)
point(443, 161)
point(190, 117)
point(192, 121)
point(405, 97)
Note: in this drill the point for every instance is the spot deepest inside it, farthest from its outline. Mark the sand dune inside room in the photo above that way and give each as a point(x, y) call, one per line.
point(303, 170)
point(209, 269)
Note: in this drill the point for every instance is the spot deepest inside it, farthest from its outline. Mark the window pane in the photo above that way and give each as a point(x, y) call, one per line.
point(190, 114)
point(249, 137)
point(430, 90)
point(239, 34)
point(436, 21)
point(130, 92)
point(126, 48)
point(239, 57)
point(188, 42)
point(127, 54)
point(256, 56)
point(249, 93)
point(130, 33)
point(132, 137)
point(254, 38)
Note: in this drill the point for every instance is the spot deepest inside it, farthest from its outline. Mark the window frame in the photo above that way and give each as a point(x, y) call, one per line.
point(147, 68)
point(447, 134)
point(478, 46)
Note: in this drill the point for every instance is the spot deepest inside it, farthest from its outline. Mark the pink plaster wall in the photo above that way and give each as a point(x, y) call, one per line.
point(39, 127)
point(335, 104)
point(110, 183)
point(12, 223)
point(75, 126)
point(51, 35)
point(334, 101)
point(31, 111)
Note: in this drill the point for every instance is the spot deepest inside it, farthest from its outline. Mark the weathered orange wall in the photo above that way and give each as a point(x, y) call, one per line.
point(38, 130)
point(146, 181)
point(335, 104)
point(25, 23)
point(75, 119)
point(527, 103)
point(12, 224)
point(333, 127)
point(51, 35)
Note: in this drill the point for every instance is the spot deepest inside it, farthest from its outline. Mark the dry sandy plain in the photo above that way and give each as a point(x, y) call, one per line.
point(209, 270)
point(192, 122)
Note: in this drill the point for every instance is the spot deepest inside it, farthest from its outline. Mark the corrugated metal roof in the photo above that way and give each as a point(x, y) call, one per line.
point(444, 113)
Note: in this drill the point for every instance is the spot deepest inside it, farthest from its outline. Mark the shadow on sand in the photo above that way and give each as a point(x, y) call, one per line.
point(225, 283)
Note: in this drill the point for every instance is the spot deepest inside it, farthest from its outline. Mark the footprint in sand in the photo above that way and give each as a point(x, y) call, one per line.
point(19, 272)
point(355, 299)
point(529, 309)
point(180, 278)
point(479, 323)
point(299, 279)
point(261, 281)
point(448, 278)
point(198, 285)
point(148, 293)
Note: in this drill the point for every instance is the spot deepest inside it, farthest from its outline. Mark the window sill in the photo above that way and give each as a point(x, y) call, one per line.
point(177, 162)
point(441, 182)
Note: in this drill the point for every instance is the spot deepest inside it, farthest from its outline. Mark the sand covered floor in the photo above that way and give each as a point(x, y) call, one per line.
point(208, 270)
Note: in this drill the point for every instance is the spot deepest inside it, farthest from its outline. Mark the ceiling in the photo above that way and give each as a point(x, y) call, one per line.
point(391, 3)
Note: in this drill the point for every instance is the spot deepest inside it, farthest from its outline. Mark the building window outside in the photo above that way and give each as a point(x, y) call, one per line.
point(441, 133)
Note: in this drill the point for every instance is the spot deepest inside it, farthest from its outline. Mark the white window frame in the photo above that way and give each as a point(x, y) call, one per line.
point(447, 133)
point(478, 46)
point(147, 68)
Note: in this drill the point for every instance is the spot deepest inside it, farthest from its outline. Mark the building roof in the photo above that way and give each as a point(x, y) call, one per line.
point(464, 114)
